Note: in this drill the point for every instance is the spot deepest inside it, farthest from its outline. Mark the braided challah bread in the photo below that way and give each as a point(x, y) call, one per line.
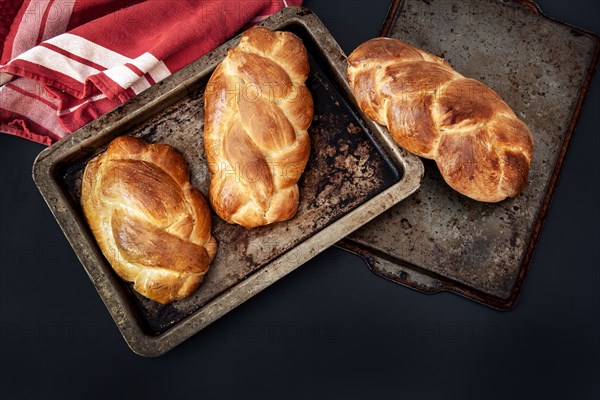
point(150, 223)
point(257, 112)
point(483, 150)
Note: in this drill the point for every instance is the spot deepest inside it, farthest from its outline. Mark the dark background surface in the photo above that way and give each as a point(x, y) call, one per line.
point(331, 329)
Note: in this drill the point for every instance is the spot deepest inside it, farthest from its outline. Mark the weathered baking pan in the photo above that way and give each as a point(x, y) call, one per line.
point(439, 240)
point(353, 174)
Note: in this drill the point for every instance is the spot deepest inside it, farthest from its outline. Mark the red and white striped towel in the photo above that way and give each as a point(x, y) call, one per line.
point(64, 63)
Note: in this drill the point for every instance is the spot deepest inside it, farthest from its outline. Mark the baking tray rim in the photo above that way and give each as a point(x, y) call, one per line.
point(118, 304)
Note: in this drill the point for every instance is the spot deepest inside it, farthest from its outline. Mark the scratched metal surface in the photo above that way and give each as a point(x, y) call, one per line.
point(438, 239)
point(352, 175)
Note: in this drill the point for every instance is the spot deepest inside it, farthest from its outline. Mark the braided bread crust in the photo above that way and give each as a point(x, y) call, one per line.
point(151, 224)
point(483, 150)
point(257, 112)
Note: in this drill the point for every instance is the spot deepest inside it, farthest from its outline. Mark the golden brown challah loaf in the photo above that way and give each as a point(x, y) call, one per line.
point(482, 149)
point(257, 112)
point(150, 223)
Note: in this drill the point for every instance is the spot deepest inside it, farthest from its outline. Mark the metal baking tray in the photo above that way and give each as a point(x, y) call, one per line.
point(439, 240)
point(353, 174)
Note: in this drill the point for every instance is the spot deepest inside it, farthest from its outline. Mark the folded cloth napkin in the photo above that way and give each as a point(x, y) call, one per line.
point(64, 63)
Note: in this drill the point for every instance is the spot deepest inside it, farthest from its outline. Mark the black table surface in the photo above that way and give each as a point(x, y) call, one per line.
point(331, 329)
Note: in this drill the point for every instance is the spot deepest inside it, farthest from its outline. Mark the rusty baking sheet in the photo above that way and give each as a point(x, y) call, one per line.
point(353, 174)
point(439, 240)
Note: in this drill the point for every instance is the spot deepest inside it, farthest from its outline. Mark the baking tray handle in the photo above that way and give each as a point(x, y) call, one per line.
point(394, 271)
